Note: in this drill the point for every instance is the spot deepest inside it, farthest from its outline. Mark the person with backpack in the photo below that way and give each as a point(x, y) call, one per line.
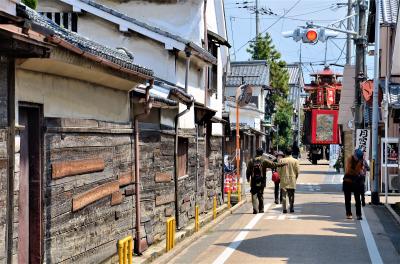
point(256, 175)
point(351, 182)
point(288, 177)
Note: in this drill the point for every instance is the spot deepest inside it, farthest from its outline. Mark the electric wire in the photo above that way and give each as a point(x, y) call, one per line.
point(285, 14)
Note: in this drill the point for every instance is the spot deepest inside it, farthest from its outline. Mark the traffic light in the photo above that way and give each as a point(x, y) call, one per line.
point(310, 35)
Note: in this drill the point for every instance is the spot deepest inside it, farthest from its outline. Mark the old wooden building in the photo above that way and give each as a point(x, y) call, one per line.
point(99, 151)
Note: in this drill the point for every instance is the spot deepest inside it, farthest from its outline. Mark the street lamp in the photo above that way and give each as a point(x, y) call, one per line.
point(243, 97)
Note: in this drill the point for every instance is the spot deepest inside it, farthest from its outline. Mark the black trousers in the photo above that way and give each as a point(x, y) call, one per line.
point(348, 189)
point(257, 199)
point(277, 191)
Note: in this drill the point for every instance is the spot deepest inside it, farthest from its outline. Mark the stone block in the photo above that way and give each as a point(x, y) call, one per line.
point(143, 244)
point(186, 198)
point(185, 207)
point(163, 177)
point(169, 211)
point(164, 199)
point(150, 239)
point(130, 191)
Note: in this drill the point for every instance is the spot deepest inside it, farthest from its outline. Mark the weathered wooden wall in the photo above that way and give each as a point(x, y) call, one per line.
point(3, 192)
point(3, 154)
point(82, 225)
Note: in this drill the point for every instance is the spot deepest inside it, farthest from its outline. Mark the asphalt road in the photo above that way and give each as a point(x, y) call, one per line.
point(316, 233)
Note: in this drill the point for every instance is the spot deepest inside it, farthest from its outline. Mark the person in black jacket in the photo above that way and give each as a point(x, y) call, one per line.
point(256, 174)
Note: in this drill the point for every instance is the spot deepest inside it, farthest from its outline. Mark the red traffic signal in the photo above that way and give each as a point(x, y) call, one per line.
point(311, 36)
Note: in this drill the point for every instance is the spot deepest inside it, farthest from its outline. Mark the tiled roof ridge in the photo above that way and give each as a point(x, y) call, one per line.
point(128, 18)
point(83, 43)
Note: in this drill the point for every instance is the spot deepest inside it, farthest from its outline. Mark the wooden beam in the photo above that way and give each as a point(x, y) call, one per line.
point(116, 198)
point(70, 168)
point(90, 196)
point(126, 179)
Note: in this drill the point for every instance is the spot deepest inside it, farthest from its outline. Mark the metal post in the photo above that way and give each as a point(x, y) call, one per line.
point(349, 24)
point(257, 20)
point(386, 115)
point(375, 110)
point(238, 151)
point(361, 44)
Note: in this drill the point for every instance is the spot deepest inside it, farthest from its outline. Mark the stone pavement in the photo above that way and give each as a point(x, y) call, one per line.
point(316, 233)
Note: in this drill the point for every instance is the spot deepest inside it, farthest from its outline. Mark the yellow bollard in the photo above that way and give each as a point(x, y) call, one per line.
point(229, 199)
point(215, 208)
point(125, 249)
point(170, 234)
point(196, 219)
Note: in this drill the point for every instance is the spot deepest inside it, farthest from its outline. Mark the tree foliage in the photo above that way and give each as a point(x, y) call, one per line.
point(31, 3)
point(264, 49)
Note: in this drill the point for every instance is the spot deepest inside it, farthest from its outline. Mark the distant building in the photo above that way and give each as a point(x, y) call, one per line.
point(296, 89)
point(252, 116)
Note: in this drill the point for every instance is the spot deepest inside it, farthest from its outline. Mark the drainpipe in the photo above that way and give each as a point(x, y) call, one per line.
point(136, 118)
point(188, 106)
point(11, 155)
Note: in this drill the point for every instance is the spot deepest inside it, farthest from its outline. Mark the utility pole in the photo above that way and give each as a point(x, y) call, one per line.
point(361, 44)
point(349, 25)
point(375, 110)
point(257, 20)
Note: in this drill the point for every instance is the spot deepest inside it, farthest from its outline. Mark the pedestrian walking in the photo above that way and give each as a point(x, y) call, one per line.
point(256, 175)
point(276, 180)
point(288, 177)
point(351, 182)
point(295, 150)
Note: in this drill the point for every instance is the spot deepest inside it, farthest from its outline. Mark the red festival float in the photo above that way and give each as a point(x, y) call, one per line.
point(321, 111)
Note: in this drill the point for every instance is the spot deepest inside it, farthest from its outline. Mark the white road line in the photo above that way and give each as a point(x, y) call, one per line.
point(270, 217)
point(370, 241)
point(281, 217)
point(239, 238)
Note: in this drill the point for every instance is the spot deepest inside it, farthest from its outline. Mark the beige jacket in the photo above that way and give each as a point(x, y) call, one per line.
point(289, 173)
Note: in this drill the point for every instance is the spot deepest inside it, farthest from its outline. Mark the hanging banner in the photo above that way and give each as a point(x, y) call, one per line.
point(330, 96)
point(363, 141)
point(320, 96)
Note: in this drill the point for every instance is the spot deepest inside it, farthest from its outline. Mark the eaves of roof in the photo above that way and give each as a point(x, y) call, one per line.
point(157, 101)
point(86, 4)
point(87, 48)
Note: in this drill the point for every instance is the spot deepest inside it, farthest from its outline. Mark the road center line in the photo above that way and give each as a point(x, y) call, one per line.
point(370, 241)
point(239, 238)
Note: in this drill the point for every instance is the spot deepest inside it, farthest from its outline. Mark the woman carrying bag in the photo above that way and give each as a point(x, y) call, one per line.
point(351, 182)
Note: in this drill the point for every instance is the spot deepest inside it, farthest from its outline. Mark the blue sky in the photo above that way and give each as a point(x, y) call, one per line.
point(241, 28)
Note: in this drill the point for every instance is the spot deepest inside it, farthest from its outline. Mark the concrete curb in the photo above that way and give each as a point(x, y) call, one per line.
point(394, 214)
point(187, 236)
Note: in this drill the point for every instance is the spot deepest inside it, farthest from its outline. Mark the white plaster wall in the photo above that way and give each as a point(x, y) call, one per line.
point(216, 23)
point(184, 18)
point(146, 52)
point(53, 6)
point(70, 98)
point(8, 6)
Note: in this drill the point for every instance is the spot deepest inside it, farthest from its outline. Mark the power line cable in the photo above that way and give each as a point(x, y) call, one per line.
point(279, 18)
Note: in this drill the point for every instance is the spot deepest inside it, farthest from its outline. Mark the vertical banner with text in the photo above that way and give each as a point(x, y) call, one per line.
point(363, 141)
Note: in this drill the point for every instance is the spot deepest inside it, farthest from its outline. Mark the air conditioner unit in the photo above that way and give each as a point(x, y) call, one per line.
point(394, 182)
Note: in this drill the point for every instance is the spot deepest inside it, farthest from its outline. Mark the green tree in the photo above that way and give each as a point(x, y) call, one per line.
point(31, 3)
point(264, 49)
